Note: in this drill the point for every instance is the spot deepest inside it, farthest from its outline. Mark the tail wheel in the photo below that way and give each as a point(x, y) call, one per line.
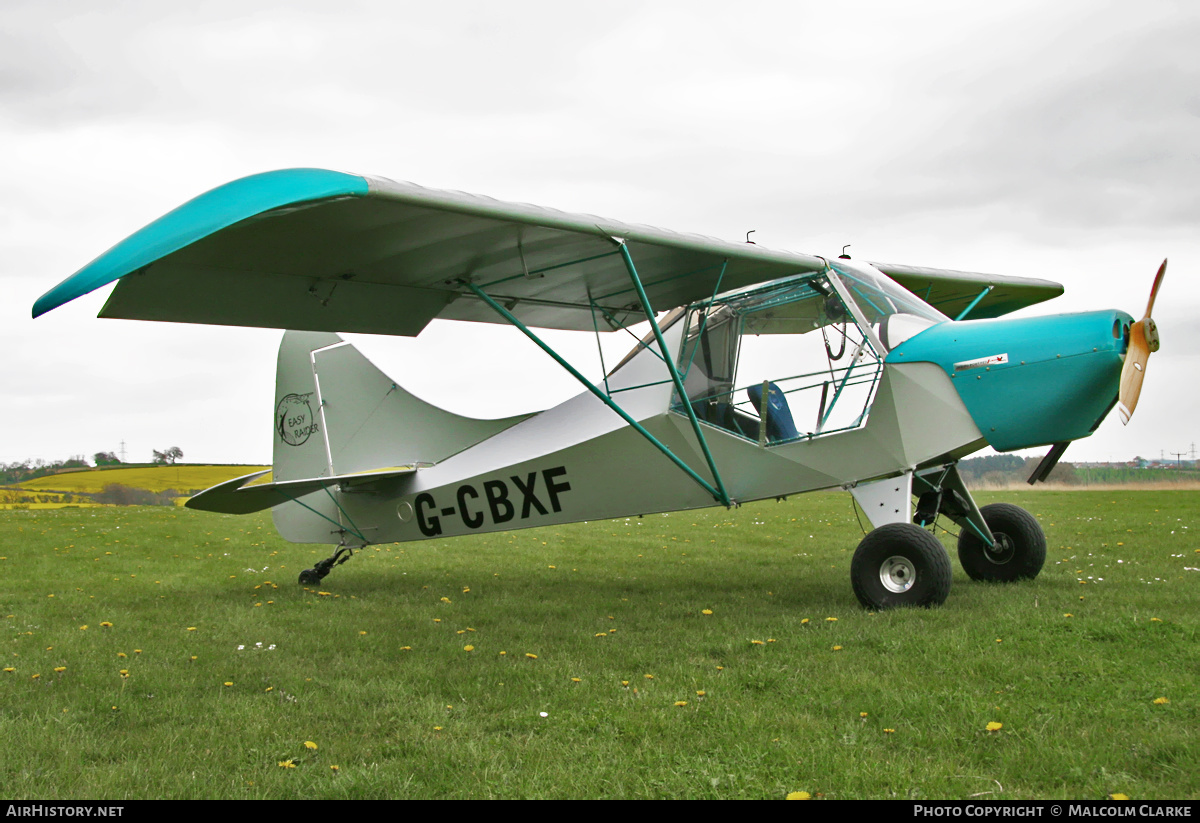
point(900, 564)
point(1019, 552)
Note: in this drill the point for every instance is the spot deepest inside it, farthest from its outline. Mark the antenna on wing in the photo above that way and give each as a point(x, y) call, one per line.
point(748, 240)
point(843, 255)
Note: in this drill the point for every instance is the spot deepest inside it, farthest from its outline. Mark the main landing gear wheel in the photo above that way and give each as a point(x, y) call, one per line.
point(900, 564)
point(1020, 550)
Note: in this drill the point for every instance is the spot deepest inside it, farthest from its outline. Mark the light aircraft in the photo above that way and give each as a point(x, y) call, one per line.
point(773, 373)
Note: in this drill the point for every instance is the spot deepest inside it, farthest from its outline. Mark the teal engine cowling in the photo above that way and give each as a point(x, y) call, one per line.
point(1029, 381)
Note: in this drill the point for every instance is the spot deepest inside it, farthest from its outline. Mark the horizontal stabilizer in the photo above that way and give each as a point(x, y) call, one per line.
point(243, 495)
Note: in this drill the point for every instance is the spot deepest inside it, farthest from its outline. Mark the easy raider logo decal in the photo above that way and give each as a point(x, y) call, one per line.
point(496, 500)
point(294, 419)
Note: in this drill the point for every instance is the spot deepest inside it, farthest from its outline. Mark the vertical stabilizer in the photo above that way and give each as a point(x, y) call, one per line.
point(336, 414)
point(301, 448)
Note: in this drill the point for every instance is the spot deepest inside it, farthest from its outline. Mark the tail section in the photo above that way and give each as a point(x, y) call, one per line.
point(336, 414)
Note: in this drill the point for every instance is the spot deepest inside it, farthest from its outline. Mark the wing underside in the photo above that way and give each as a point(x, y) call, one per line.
point(326, 251)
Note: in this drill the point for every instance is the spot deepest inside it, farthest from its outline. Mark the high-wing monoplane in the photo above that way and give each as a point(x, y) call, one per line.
point(772, 373)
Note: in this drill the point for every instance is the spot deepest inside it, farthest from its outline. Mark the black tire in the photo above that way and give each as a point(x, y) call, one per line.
point(900, 564)
point(1020, 550)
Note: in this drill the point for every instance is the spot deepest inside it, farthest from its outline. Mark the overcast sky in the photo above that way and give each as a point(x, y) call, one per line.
point(1054, 140)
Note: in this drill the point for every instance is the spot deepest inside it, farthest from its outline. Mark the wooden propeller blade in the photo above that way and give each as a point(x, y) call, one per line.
point(1143, 339)
point(1158, 278)
point(1133, 372)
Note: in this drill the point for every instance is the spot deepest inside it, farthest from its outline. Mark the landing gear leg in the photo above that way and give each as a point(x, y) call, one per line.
point(313, 576)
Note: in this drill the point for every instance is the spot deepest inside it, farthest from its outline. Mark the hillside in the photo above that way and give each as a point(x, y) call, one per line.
point(121, 484)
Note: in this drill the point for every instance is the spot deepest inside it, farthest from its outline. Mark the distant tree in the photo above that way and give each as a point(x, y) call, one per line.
point(169, 456)
point(105, 459)
point(76, 461)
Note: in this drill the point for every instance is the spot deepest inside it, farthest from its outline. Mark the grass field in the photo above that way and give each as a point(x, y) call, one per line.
point(153, 652)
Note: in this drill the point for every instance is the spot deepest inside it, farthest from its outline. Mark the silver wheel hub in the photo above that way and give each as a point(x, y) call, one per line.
point(1002, 552)
point(897, 574)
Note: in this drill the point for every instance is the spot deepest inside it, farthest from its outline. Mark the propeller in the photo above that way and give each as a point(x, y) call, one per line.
point(1143, 339)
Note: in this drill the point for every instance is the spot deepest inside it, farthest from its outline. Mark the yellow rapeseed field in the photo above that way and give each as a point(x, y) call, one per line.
point(151, 478)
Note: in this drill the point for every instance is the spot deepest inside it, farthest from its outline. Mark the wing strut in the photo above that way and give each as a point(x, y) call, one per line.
point(718, 495)
point(722, 495)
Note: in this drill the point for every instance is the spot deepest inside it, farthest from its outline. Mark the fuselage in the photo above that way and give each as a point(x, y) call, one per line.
point(906, 391)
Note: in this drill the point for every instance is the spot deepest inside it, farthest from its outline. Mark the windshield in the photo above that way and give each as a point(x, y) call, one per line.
point(893, 312)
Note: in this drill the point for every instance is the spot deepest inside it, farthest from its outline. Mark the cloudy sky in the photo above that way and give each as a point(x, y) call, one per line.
point(1054, 140)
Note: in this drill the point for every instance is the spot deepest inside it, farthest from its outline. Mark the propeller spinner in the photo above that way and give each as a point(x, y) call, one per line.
point(1143, 339)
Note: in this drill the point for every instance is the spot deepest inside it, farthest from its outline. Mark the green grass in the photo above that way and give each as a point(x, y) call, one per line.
point(375, 673)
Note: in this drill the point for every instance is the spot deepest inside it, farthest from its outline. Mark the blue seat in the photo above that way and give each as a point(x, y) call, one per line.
point(780, 425)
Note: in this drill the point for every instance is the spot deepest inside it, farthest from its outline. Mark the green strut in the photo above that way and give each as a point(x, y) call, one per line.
point(605, 399)
point(974, 303)
point(723, 495)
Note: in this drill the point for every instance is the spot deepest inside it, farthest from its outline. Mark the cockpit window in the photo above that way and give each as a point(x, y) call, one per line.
point(790, 360)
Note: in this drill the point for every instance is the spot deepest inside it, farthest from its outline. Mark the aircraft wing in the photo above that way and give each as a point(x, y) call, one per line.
point(328, 251)
point(952, 291)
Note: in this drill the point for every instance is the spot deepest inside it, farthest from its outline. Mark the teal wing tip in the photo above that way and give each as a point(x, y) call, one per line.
point(199, 217)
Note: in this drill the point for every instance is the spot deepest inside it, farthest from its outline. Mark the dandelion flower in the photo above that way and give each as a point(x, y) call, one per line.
point(757, 643)
point(576, 680)
point(189, 628)
point(802, 622)
point(889, 731)
point(1161, 701)
point(601, 634)
point(335, 768)
point(680, 703)
point(799, 796)
point(1155, 620)
point(287, 764)
point(830, 619)
point(10, 669)
point(837, 648)
point(531, 656)
point(83, 628)
point(649, 677)
point(862, 714)
point(105, 624)
point(60, 668)
point(468, 648)
point(701, 693)
point(137, 651)
point(1118, 796)
point(122, 654)
point(361, 633)
point(706, 611)
point(308, 744)
point(993, 726)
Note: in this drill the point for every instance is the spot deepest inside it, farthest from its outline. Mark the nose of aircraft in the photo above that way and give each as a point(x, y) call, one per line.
point(1029, 381)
